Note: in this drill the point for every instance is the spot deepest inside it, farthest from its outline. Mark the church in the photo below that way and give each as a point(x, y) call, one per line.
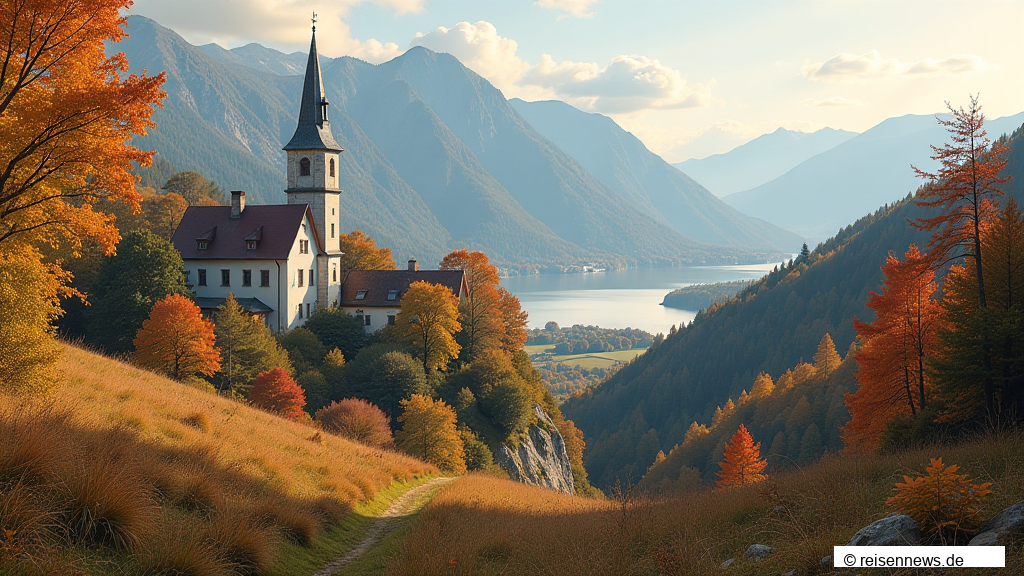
point(281, 261)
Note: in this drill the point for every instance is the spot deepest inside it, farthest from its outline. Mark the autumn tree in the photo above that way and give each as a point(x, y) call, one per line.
point(357, 420)
point(742, 464)
point(163, 213)
point(360, 252)
point(246, 346)
point(429, 432)
point(68, 114)
point(480, 309)
point(144, 270)
point(275, 391)
point(763, 386)
point(514, 320)
point(195, 189)
point(826, 359)
point(980, 358)
point(29, 305)
point(896, 346)
point(177, 340)
point(428, 321)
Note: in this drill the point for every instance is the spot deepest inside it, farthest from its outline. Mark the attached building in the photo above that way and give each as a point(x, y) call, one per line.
point(376, 294)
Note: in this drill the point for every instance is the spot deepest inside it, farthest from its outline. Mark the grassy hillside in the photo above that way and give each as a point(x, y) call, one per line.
point(481, 525)
point(127, 472)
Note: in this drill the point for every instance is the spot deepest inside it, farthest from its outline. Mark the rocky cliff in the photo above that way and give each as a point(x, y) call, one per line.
point(540, 459)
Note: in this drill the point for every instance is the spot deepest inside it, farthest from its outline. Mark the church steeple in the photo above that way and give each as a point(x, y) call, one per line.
point(314, 129)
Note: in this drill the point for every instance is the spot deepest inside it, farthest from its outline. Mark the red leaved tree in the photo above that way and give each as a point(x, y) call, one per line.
point(275, 391)
point(357, 419)
point(742, 464)
point(177, 340)
point(891, 361)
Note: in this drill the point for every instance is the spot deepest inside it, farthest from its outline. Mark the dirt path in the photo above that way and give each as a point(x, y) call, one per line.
point(386, 523)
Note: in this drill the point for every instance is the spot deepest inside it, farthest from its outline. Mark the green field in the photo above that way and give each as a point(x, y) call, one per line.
point(589, 360)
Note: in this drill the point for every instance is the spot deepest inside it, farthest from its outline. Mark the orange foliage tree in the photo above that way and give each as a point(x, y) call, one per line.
point(742, 463)
point(891, 362)
point(945, 504)
point(360, 252)
point(177, 340)
point(428, 321)
point(275, 391)
point(67, 117)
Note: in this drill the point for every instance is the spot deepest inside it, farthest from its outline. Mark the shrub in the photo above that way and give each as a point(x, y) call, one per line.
point(243, 540)
point(357, 420)
point(275, 391)
point(179, 550)
point(944, 503)
point(478, 455)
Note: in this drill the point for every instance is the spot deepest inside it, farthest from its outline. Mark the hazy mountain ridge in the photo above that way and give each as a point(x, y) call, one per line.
point(622, 162)
point(492, 182)
point(761, 160)
point(826, 192)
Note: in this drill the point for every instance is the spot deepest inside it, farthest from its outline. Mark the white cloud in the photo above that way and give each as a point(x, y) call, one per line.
point(626, 84)
point(835, 101)
point(284, 24)
point(871, 65)
point(577, 8)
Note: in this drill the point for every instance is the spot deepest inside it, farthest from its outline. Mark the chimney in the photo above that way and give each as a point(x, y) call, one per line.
point(414, 266)
point(237, 203)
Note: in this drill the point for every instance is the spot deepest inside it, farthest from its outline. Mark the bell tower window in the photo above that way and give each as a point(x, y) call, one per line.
point(332, 167)
point(304, 167)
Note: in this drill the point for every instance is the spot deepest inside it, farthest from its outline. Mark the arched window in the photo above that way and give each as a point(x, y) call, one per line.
point(332, 167)
point(304, 167)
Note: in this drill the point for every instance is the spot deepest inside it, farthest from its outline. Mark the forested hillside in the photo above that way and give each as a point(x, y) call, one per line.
point(435, 158)
point(772, 326)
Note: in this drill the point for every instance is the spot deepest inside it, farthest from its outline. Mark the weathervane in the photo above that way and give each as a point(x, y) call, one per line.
point(314, 21)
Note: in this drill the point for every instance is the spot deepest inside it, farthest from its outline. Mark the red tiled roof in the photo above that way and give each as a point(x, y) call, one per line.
point(378, 283)
point(275, 225)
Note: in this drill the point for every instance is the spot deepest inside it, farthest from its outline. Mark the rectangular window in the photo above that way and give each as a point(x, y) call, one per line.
point(246, 277)
point(264, 278)
point(392, 294)
point(332, 228)
point(307, 309)
point(360, 294)
point(303, 246)
point(366, 320)
point(202, 276)
point(334, 273)
point(301, 278)
point(225, 277)
point(311, 277)
point(300, 311)
point(250, 244)
point(391, 319)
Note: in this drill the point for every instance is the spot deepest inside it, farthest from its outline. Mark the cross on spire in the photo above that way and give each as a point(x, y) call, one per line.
point(314, 21)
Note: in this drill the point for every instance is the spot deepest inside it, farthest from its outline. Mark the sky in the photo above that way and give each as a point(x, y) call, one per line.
point(690, 78)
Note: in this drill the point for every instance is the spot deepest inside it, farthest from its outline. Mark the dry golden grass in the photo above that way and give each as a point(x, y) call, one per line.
point(483, 525)
point(127, 472)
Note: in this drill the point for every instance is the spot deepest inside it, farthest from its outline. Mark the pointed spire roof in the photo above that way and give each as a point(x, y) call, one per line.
point(313, 131)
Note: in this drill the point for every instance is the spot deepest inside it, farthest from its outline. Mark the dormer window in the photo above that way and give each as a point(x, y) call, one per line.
point(202, 244)
point(360, 294)
point(392, 295)
point(252, 241)
point(250, 244)
point(304, 167)
point(203, 241)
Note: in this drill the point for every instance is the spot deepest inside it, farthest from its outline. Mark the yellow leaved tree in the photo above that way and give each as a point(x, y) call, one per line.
point(429, 432)
point(428, 321)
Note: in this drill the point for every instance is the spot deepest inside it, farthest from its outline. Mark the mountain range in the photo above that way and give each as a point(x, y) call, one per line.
point(833, 188)
point(436, 158)
point(761, 160)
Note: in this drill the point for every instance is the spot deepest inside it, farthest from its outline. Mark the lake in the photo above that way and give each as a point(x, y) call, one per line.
point(622, 299)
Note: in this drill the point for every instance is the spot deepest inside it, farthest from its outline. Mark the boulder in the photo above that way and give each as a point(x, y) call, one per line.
point(540, 459)
point(727, 563)
point(895, 530)
point(1002, 529)
point(826, 562)
point(757, 552)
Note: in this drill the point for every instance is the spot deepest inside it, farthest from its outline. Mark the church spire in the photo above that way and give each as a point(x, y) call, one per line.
point(314, 130)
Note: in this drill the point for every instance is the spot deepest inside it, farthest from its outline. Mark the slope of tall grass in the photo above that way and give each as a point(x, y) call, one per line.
point(127, 472)
point(483, 525)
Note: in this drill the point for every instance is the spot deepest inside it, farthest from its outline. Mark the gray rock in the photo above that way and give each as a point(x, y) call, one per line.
point(826, 562)
point(896, 530)
point(790, 573)
point(757, 552)
point(540, 459)
point(1001, 529)
point(727, 563)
